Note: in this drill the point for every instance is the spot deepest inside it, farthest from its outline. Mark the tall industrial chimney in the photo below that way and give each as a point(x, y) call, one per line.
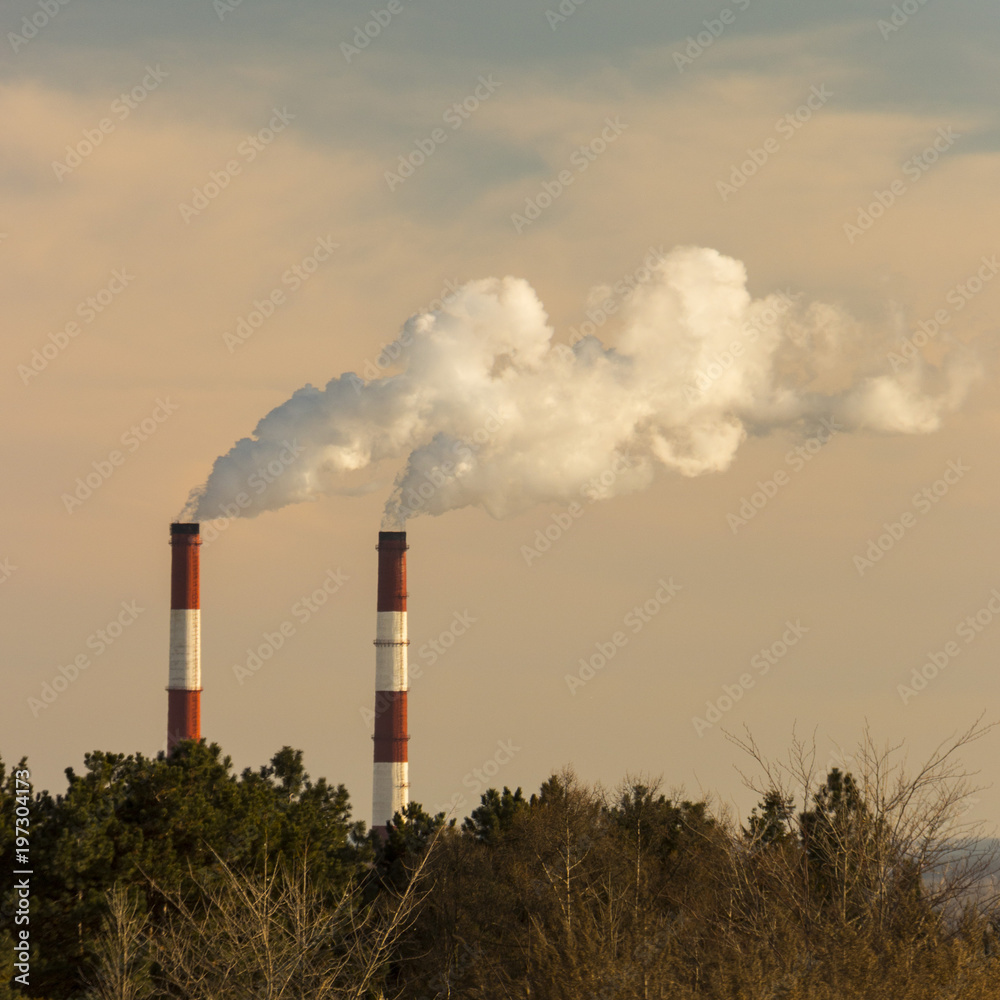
point(390, 787)
point(184, 689)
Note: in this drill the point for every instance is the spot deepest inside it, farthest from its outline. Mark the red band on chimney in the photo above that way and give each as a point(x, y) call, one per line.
point(185, 569)
point(183, 717)
point(392, 571)
point(390, 727)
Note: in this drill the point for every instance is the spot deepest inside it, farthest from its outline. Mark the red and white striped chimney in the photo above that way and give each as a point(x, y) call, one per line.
point(184, 689)
point(390, 786)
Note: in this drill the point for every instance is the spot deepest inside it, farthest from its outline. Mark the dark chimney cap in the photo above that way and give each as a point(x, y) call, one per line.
point(185, 528)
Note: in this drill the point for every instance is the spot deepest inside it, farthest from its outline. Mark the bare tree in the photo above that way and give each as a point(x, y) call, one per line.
point(273, 936)
point(881, 864)
point(918, 818)
point(121, 963)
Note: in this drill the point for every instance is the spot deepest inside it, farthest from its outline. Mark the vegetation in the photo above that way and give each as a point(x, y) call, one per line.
point(175, 877)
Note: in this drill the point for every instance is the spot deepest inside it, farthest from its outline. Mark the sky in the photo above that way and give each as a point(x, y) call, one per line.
point(205, 207)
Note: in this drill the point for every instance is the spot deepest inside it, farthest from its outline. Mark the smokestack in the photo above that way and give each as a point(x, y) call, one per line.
point(184, 689)
point(390, 786)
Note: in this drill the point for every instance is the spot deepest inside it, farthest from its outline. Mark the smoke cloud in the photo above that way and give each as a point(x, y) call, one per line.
point(488, 411)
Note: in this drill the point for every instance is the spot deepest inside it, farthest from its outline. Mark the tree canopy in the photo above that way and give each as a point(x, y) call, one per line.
point(176, 877)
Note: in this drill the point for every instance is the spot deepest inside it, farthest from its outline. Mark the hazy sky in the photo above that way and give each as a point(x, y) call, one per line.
point(169, 167)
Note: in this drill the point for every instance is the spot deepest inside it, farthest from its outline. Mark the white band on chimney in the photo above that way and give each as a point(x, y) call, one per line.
point(185, 649)
point(390, 651)
point(390, 791)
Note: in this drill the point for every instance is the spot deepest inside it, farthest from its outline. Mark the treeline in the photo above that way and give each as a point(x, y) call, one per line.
point(176, 877)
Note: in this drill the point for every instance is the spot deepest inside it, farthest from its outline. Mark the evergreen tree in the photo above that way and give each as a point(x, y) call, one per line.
point(496, 816)
point(163, 823)
point(773, 824)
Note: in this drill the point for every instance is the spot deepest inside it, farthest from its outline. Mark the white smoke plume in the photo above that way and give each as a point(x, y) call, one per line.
point(489, 411)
